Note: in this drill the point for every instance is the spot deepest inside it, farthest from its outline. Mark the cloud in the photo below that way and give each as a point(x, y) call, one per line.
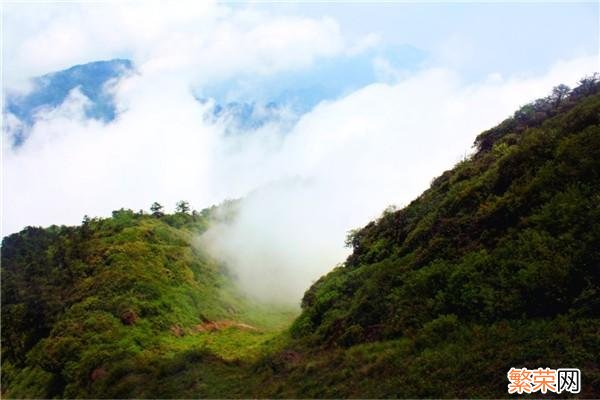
point(201, 41)
point(42, 37)
point(303, 186)
point(345, 161)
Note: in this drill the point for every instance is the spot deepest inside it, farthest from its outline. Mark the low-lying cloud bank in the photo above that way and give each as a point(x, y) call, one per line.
point(343, 163)
point(302, 187)
point(338, 167)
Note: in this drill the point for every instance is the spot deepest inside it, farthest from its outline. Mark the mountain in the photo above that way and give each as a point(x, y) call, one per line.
point(94, 81)
point(245, 117)
point(50, 90)
point(495, 266)
point(242, 105)
point(92, 311)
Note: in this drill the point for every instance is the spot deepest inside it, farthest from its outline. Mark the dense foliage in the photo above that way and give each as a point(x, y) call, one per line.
point(96, 310)
point(496, 265)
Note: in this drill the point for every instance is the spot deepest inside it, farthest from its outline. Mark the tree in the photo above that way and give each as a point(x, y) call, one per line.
point(182, 207)
point(559, 93)
point(157, 209)
point(85, 226)
point(587, 86)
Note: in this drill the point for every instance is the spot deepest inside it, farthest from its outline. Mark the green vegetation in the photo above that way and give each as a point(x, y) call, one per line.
point(93, 311)
point(497, 265)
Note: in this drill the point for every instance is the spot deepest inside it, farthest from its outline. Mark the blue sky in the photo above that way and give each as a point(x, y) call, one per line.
point(360, 106)
point(504, 37)
point(476, 39)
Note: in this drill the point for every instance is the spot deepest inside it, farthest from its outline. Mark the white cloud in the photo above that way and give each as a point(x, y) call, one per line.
point(338, 167)
point(344, 162)
point(202, 41)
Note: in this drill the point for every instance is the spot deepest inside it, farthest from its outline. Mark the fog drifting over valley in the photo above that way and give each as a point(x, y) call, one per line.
point(302, 185)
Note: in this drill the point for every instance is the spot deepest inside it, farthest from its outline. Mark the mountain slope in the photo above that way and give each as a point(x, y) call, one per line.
point(496, 265)
point(92, 311)
point(501, 234)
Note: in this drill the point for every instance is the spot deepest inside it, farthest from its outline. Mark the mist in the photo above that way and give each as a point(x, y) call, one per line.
point(301, 188)
point(343, 163)
point(302, 185)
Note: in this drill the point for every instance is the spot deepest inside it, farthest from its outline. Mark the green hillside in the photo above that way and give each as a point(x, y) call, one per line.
point(496, 265)
point(108, 308)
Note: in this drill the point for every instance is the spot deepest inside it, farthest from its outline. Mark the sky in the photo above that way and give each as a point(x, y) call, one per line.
point(361, 106)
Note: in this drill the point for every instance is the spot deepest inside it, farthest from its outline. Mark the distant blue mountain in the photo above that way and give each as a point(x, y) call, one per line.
point(51, 90)
point(240, 117)
point(242, 104)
